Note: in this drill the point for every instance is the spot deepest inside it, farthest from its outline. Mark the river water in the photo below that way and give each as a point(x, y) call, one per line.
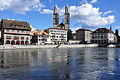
point(60, 64)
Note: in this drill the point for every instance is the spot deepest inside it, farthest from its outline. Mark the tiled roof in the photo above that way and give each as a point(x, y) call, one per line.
point(103, 30)
point(56, 28)
point(82, 29)
point(39, 33)
point(42, 33)
point(31, 33)
point(61, 24)
point(16, 24)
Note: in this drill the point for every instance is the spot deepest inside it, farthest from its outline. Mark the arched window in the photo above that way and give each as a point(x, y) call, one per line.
point(7, 42)
point(22, 42)
point(26, 42)
point(12, 42)
point(18, 42)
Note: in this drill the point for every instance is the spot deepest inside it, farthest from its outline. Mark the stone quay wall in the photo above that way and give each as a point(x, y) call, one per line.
point(46, 46)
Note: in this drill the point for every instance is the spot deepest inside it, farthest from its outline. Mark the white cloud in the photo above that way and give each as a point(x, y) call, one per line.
point(47, 11)
point(20, 6)
point(32, 28)
point(83, 1)
point(88, 15)
point(108, 12)
point(93, 1)
point(75, 28)
point(117, 27)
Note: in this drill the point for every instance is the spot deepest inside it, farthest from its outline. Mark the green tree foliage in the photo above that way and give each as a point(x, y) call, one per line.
point(69, 35)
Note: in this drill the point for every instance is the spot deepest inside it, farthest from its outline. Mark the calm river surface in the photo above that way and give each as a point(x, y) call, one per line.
point(60, 64)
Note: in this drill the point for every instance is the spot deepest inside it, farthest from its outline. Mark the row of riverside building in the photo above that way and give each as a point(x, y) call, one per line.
point(100, 35)
point(20, 32)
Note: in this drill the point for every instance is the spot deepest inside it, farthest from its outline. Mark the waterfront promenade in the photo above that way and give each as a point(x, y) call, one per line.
point(46, 46)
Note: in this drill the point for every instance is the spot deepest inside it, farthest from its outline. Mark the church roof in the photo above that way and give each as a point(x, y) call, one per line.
point(16, 24)
point(61, 24)
point(42, 33)
point(103, 30)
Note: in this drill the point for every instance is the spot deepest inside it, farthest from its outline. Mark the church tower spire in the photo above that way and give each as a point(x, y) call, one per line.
point(55, 16)
point(67, 17)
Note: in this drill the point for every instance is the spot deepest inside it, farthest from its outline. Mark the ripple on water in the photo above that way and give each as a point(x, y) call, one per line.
point(60, 64)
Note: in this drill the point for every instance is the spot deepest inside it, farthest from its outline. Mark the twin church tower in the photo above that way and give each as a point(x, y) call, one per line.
point(65, 23)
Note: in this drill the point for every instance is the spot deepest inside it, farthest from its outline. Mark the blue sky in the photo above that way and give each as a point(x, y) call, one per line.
point(89, 14)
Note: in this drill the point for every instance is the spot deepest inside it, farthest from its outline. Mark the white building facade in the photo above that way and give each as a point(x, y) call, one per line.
point(39, 37)
point(103, 35)
point(57, 35)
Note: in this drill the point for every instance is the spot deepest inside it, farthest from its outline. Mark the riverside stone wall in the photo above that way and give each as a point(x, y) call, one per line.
point(46, 46)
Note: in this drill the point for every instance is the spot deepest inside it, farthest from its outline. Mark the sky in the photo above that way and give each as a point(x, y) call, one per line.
point(90, 14)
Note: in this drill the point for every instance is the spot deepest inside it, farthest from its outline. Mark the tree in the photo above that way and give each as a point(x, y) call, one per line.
point(69, 35)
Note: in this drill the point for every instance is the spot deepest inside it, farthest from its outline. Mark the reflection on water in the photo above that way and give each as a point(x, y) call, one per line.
point(12, 58)
point(60, 64)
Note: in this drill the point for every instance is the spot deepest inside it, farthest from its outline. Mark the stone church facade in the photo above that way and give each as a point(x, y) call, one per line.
point(66, 22)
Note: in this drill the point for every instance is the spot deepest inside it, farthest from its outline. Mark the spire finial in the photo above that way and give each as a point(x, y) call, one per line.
point(66, 9)
point(55, 9)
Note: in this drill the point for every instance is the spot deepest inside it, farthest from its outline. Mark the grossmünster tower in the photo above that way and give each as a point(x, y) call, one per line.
point(65, 23)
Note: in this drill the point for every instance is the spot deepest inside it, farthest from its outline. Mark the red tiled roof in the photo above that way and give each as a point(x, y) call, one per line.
point(39, 33)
